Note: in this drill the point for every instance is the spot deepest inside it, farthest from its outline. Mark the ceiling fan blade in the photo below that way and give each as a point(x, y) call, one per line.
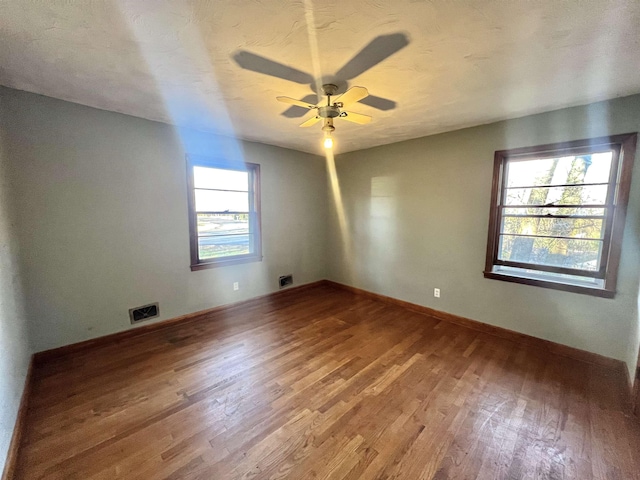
point(353, 95)
point(379, 102)
point(312, 121)
point(295, 102)
point(295, 111)
point(257, 63)
point(355, 117)
point(378, 50)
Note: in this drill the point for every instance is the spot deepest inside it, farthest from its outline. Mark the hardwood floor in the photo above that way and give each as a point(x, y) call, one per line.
point(325, 384)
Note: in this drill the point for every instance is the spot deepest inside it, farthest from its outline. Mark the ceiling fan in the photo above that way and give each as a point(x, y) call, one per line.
point(379, 49)
point(332, 109)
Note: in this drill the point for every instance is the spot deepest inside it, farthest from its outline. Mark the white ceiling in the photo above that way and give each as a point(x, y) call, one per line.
point(467, 62)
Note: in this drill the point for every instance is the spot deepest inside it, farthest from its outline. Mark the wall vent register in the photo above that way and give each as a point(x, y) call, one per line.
point(146, 312)
point(285, 281)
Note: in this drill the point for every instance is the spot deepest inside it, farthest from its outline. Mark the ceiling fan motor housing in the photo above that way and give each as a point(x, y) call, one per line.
point(329, 111)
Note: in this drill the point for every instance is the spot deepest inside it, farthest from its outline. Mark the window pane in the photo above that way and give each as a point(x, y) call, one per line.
point(554, 227)
point(573, 211)
point(224, 246)
point(223, 224)
point(218, 201)
point(592, 168)
point(574, 195)
point(555, 252)
point(220, 179)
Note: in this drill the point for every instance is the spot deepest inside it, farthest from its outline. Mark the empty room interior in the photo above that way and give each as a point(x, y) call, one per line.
point(313, 239)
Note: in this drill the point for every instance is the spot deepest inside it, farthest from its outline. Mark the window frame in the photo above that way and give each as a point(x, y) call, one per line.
point(619, 186)
point(255, 225)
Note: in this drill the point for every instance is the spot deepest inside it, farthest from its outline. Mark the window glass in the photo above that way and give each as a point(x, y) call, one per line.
point(224, 210)
point(557, 213)
point(220, 179)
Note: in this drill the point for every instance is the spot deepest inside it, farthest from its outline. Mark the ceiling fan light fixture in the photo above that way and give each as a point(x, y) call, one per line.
point(328, 142)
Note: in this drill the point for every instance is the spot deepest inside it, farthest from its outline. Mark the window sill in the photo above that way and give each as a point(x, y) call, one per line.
point(566, 287)
point(225, 262)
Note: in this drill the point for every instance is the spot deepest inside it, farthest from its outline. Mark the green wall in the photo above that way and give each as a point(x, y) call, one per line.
point(417, 214)
point(101, 217)
point(15, 350)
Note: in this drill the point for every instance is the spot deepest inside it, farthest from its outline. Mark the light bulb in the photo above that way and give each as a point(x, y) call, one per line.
point(328, 142)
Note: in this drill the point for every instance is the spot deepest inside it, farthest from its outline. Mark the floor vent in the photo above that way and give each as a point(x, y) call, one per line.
point(146, 312)
point(286, 280)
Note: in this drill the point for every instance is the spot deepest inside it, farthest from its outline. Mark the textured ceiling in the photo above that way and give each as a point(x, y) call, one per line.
point(466, 62)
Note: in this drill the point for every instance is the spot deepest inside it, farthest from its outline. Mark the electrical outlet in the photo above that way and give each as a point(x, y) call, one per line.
point(436, 292)
point(236, 286)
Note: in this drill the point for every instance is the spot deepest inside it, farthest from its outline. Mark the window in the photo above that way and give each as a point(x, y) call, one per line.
point(224, 212)
point(557, 214)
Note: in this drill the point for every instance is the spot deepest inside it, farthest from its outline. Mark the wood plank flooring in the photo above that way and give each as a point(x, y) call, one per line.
point(325, 384)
